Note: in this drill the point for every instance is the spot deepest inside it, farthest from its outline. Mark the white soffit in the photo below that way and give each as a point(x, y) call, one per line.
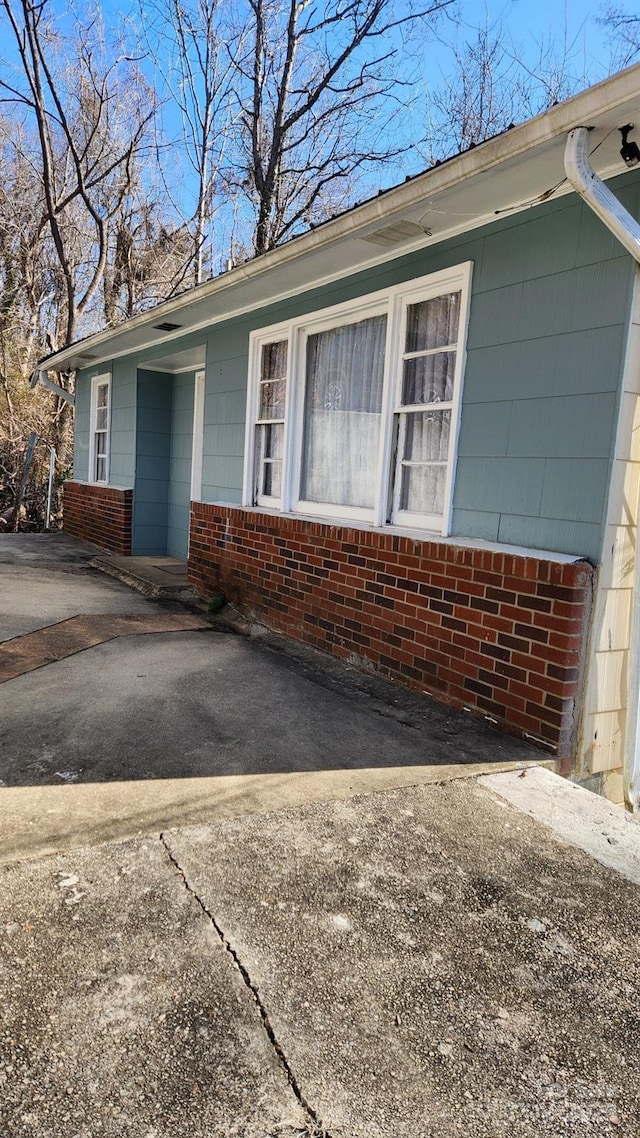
point(173, 362)
point(503, 176)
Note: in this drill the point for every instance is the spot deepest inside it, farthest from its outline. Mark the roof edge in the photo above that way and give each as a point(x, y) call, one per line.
point(560, 119)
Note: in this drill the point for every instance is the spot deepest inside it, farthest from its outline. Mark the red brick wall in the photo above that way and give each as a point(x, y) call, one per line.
point(101, 514)
point(501, 634)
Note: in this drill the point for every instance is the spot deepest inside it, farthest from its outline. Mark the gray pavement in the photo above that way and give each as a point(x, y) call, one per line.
point(360, 937)
point(419, 963)
point(46, 578)
point(203, 705)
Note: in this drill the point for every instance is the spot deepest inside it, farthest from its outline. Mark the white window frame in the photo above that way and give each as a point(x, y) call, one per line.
point(197, 444)
point(96, 382)
point(393, 302)
point(275, 334)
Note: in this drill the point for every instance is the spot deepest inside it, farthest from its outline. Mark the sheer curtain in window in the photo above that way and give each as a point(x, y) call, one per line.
point(343, 403)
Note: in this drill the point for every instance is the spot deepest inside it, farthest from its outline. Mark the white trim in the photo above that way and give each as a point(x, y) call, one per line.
point(392, 303)
point(197, 444)
point(161, 370)
point(96, 382)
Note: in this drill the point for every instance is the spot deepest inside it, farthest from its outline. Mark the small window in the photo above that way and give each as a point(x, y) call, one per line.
point(100, 423)
point(424, 411)
point(272, 398)
point(353, 412)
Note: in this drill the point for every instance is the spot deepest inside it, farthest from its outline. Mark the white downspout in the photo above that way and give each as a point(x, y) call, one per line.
point(598, 197)
point(40, 377)
point(627, 230)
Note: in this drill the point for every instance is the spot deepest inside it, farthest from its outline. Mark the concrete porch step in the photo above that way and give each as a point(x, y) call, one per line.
point(157, 577)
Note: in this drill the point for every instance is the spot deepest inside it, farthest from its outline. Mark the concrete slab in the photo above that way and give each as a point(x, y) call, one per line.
point(122, 1012)
point(68, 637)
point(147, 731)
point(418, 963)
point(151, 576)
point(432, 963)
point(202, 704)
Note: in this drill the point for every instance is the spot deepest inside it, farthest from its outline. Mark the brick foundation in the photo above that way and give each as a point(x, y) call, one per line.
point(501, 634)
point(101, 514)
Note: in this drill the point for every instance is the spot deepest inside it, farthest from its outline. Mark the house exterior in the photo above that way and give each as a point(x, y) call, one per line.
point(409, 437)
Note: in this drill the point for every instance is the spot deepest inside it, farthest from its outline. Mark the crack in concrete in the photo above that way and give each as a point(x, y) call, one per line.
point(317, 1130)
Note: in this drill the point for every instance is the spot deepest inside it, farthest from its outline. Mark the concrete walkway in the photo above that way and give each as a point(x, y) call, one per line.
point(360, 937)
point(419, 963)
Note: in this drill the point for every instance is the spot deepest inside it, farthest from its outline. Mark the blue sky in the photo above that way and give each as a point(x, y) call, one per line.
point(529, 24)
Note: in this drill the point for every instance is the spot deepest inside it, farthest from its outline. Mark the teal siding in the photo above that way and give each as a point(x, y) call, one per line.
point(122, 444)
point(550, 304)
point(180, 465)
point(153, 441)
point(82, 426)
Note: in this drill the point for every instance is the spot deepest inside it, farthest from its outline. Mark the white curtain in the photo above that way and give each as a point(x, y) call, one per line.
point(343, 402)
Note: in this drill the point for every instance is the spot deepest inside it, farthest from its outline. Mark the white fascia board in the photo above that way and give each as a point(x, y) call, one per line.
point(581, 110)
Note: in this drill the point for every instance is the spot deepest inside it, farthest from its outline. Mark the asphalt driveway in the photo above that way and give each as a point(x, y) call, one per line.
point(104, 687)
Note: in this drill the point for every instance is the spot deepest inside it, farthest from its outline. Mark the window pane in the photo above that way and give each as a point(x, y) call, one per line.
point(343, 401)
point(103, 395)
point(274, 361)
point(422, 489)
point(269, 474)
point(101, 443)
point(272, 397)
point(433, 323)
point(273, 440)
point(429, 379)
point(101, 468)
point(101, 418)
point(272, 481)
point(427, 436)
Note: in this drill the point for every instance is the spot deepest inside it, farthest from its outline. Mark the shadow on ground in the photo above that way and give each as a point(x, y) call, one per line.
point(203, 703)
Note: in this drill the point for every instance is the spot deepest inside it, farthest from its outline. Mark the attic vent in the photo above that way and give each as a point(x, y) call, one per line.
point(394, 234)
point(166, 327)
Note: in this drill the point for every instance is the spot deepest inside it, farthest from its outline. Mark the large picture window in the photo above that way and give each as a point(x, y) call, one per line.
point(100, 426)
point(353, 412)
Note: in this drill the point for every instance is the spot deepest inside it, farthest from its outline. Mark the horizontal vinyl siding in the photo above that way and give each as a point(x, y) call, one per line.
point(82, 426)
point(549, 309)
point(122, 437)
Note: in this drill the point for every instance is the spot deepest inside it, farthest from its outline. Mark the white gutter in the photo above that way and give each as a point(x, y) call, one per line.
point(40, 377)
point(625, 227)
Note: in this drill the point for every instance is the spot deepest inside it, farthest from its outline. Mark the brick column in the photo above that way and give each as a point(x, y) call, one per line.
point(101, 514)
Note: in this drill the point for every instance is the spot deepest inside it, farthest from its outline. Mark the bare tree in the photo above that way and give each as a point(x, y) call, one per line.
point(188, 40)
point(623, 30)
point(491, 83)
point(90, 115)
point(84, 236)
point(317, 87)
